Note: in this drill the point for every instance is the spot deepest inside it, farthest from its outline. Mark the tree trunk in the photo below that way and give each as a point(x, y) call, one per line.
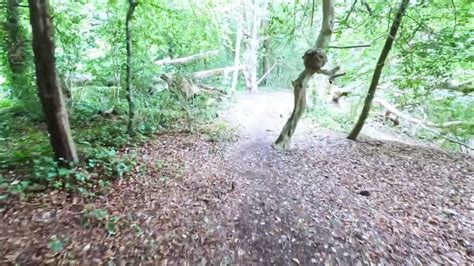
point(266, 60)
point(255, 12)
point(252, 63)
point(378, 71)
point(284, 140)
point(16, 52)
point(46, 77)
point(327, 27)
point(132, 4)
point(238, 43)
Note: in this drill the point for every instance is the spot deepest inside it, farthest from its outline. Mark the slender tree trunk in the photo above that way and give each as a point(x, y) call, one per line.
point(132, 4)
point(284, 139)
point(253, 56)
point(327, 27)
point(16, 50)
point(378, 71)
point(238, 43)
point(255, 12)
point(266, 60)
point(46, 77)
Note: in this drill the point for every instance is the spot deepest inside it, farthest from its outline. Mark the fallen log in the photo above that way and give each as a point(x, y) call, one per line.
point(180, 85)
point(187, 87)
point(215, 72)
point(186, 59)
point(408, 118)
point(434, 128)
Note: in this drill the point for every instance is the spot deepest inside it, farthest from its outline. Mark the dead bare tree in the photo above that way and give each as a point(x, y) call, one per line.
point(314, 60)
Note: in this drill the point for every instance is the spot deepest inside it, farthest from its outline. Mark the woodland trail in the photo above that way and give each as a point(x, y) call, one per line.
point(330, 200)
point(326, 201)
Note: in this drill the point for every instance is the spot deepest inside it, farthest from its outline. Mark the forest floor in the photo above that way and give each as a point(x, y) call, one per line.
point(326, 201)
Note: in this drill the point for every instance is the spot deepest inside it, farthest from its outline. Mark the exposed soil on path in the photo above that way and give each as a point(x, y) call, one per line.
point(331, 200)
point(326, 201)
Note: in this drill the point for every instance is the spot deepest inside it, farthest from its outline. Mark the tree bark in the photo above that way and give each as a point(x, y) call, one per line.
point(284, 139)
point(46, 77)
point(132, 4)
point(378, 71)
point(16, 50)
point(327, 27)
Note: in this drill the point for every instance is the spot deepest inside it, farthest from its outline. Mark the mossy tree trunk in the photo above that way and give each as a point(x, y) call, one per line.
point(378, 71)
point(48, 86)
point(132, 4)
point(299, 85)
point(16, 50)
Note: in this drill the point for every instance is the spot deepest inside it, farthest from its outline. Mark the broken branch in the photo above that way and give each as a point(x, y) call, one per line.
point(408, 118)
point(266, 74)
point(335, 76)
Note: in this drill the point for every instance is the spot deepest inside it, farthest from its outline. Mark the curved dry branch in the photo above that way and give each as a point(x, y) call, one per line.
point(300, 84)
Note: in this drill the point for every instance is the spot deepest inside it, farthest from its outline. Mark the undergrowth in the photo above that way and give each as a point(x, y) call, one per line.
point(327, 115)
point(98, 125)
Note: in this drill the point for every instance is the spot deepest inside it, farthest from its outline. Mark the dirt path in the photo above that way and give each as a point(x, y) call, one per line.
point(261, 116)
point(330, 200)
point(193, 200)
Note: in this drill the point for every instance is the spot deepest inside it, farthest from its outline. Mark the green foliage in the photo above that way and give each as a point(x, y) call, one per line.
point(56, 244)
point(99, 136)
point(19, 85)
point(329, 115)
point(97, 217)
point(433, 48)
point(221, 132)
